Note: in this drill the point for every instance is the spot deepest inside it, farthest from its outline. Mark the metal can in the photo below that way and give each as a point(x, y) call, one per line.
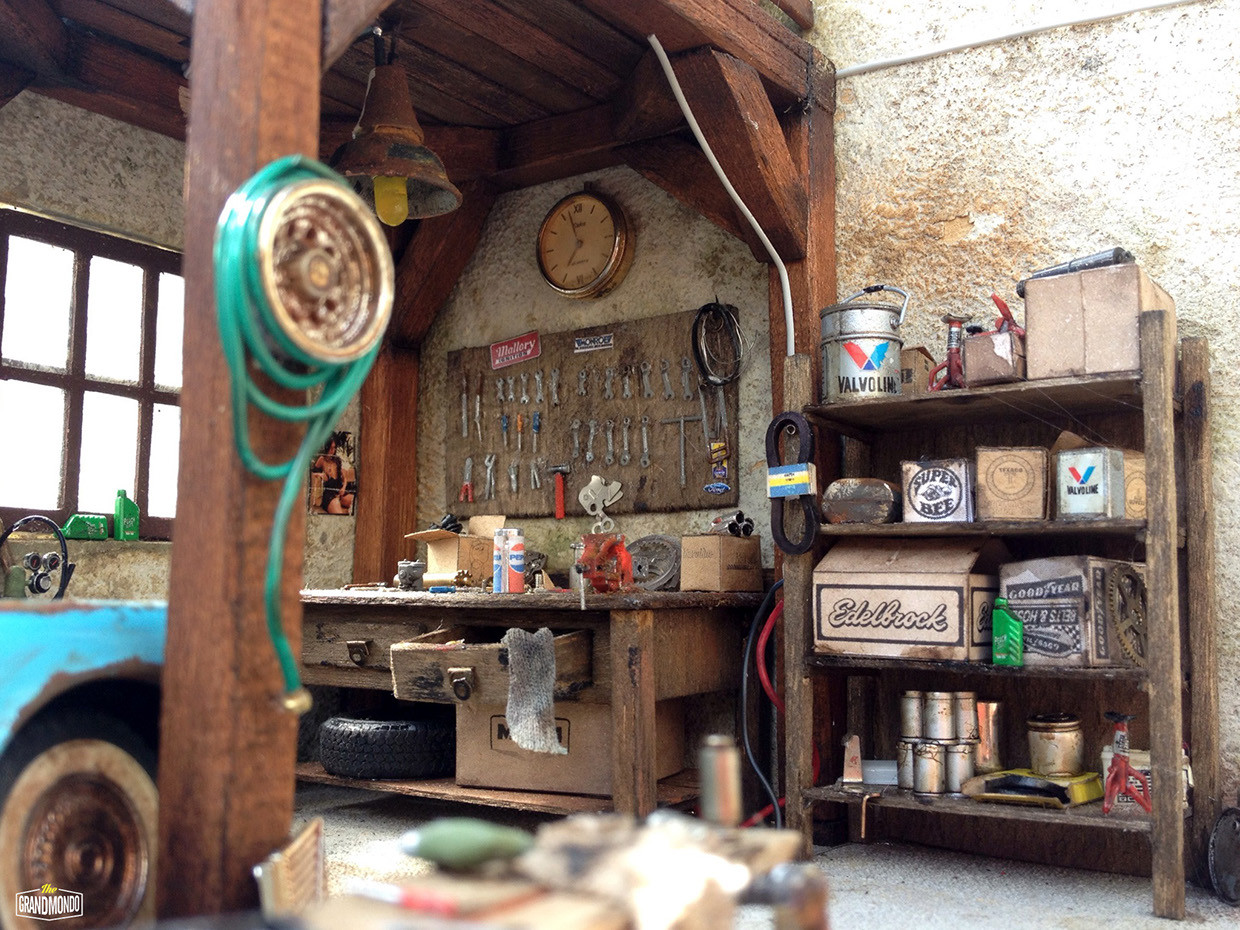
point(498, 561)
point(989, 726)
point(910, 714)
point(964, 715)
point(936, 717)
point(929, 768)
point(861, 347)
point(959, 767)
point(904, 763)
point(719, 765)
point(514, 558)
point(1056, 745)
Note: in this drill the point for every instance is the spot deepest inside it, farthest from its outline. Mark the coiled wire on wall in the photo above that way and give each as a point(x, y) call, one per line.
point(250, 331)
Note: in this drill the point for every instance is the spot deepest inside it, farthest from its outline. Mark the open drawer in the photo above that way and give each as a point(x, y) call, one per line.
point(469, 664)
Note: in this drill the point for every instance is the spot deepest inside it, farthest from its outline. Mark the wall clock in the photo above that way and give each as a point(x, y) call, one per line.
point(585, 245)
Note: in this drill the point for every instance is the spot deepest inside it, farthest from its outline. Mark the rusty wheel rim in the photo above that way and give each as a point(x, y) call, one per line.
point(84, 834)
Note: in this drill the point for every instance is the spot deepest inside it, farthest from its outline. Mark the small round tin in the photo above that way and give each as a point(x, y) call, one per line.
point(936, 717)
point(929, 767)
point(959, 766)
point(904, 763)
point(910, 714)
point(964, 714)
point(1056, 745)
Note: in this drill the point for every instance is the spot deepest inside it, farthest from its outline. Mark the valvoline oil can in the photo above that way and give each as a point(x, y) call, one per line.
point(861, 347)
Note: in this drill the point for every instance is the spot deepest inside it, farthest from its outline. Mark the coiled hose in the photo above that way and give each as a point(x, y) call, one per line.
point(248, 331)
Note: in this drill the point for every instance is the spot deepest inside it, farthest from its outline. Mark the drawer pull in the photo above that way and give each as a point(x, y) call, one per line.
point(359, 651)
point(462, 682)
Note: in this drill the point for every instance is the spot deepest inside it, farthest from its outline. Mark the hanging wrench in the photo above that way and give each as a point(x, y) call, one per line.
point(609, 375)
point(624, 440)
point(525, 387)
point(628, 384)
point(610, 426)
point(664, 369)
point(590, 441)
point(645, 459)
point(499, 389)
point(555, 387)
point(511, 396)
point(489, 462)
point(576, 439)
point(647, 391)
point(581, 381)
point(685, 365)
point(478, 415)
point(513, 480)
point(538, 392)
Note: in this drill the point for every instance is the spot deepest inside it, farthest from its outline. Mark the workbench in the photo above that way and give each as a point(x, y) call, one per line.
point(645, 647)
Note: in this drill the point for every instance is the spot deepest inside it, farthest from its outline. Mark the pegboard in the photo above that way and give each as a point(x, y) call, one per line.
point(655, 486)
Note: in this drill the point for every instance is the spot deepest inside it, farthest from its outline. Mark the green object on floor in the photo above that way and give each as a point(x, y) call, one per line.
point(465, 842)
point(86, 526)
point(15, 582)
point(125, 519)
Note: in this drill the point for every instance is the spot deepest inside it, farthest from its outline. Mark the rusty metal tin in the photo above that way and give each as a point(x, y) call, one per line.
point(929, 767)
point(910, 714)
point(1056, 745)
point(936, 718)
point(904, 763)
point(964, 715)
point(959, 765)
point(989, 727)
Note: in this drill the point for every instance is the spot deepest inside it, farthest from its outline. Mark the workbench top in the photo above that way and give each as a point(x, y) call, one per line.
point(476, 598)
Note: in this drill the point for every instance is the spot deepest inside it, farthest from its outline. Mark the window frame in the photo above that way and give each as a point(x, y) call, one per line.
point(86, 244)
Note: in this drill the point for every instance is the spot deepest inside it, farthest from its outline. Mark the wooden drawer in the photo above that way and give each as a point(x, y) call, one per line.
point(353, 644)
point(469, 664)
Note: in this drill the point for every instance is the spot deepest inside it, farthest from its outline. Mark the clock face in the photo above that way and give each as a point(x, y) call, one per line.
point(584, 246)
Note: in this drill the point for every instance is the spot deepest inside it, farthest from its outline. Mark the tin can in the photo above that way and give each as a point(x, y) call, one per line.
point(959, 766)
point(1090, 484)
point(719, 765)
point(929, 767)
point(1056, 745)
point(861, 347)
point(910, 714)
point(904, 763)
point(939, 491)
point(514, 559)
point(964, 715)
point(988, 757)
point(936, 717)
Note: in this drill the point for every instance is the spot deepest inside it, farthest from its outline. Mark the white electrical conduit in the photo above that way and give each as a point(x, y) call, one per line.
point(727, 185)
point(879, 65)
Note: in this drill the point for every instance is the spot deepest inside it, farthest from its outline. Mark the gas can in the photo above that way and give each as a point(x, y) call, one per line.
point(861, 347)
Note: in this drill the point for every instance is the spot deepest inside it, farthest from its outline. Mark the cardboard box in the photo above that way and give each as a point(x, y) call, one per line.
point(1062, 603)
point(1089, 484)
point(938, 492)
point(915, 367)
point(486, 757)
point(1139, 759)
point(471, 550)
point(906, 598)
point(993, 358)
point(1134, 472)
point(1011, 483)
point(1086, 322)
point(716, 562)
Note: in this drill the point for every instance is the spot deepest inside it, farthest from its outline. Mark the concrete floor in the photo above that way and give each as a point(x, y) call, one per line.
point(873, 887)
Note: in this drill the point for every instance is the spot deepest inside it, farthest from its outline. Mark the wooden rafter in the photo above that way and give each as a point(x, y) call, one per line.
point(343, 22)
point(13, 80)
point(33, 37)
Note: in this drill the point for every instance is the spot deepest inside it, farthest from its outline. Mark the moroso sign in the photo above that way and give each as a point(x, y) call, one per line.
point(49, 903)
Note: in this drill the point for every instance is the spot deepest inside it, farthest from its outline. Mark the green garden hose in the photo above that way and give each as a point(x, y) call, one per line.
point(253, 335)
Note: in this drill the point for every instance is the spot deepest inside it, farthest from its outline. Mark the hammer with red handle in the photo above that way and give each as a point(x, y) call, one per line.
point(559, 471)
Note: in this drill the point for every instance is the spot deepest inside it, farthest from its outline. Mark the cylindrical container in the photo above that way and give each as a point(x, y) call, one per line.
point(515, 561)
point(936, 717)
point(1056, 745)
point(910, 714)
point(959, 766)
point(719, 765)
point(861, 347)
point(575, 580)
point(964, 715)
point(499, 560)
point(929, 767)
point(989, 757)
point(904, 763)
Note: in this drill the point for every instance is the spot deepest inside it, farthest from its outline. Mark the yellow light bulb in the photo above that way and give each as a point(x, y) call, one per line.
point(391, 200)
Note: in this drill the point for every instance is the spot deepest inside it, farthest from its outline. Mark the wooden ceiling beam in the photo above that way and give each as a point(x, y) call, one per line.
point(33, 37)
point(174, 15)
point(13, 80)
point(800, 12)
point(343, 22)
point(110, 20)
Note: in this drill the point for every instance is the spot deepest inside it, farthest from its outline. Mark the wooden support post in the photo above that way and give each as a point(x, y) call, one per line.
point(1202, 617)
point(634, 785)
point(1163, 620)
point(227, 747)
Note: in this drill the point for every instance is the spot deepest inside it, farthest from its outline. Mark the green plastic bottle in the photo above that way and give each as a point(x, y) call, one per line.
point(125, 520)
point(1008, 633)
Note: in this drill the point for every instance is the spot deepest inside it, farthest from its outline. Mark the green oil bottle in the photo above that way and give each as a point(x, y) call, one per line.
point(125, 519)
point(1008, 646)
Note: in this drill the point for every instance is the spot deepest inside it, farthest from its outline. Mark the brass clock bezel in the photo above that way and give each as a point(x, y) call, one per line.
point(618, 262)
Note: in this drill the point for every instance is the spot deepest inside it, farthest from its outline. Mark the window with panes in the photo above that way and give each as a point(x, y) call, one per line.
point(90, 372)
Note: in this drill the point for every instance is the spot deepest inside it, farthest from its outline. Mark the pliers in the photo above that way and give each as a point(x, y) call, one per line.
point(467, 486)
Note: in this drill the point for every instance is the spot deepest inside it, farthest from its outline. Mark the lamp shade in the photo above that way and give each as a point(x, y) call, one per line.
point(388, 142)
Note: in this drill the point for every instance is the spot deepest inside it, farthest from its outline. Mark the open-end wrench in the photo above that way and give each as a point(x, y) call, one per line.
point(593, 424)
point(538, 392)
point(581, 381)
point(685, 365)
point(628, 382)
point(525, 387)
point(609, 375)
point(609, 426)
point(576, 427)
point(555, 387)
point(665, 370)
point(489, 490)
point(624, 440)
point(499, 389)
point(645, 459)
point(647, 390)
point(511, 395)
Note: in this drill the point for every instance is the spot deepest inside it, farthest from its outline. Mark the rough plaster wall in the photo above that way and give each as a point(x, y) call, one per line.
point(681, 262)
point(330, 537)
point(962, 173)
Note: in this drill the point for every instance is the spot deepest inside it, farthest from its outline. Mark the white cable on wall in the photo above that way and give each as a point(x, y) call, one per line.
point(727, 185)
point(879, 65)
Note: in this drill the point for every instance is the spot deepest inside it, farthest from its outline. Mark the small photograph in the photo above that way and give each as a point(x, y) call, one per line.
point(333, 477)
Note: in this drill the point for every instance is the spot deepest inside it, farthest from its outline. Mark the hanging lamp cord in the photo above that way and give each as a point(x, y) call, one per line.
point(248, 332)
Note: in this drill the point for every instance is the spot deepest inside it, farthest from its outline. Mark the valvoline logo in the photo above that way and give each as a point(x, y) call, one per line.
point(871, 362)
point(1078, 477)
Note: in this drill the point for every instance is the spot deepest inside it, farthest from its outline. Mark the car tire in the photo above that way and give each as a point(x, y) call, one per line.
point(364, 749)
point(79, 812)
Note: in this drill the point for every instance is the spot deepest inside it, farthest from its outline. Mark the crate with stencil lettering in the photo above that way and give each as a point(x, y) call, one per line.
point(907, 598)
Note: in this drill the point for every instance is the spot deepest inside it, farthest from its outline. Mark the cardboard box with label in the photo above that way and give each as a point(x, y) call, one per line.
point(486, 756)
point(1062, 603)
point(471, 551)
point(1011, 483)
point(716, 562)
point(939, 491)
point(906, 598)
point(915, 367)
point(1133, 473)
point(1086, 322)
point(993, 358)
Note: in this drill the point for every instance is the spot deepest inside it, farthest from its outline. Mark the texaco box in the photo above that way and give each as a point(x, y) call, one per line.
point(1011, 483)
point(905, 598)
point(938, 492)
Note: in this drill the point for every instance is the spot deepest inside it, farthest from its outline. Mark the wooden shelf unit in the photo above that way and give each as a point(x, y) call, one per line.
point(1129, 410)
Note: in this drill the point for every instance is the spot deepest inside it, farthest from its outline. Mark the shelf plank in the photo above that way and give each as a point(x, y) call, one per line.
point(1086, 815)
point(875, 663)
point(1048, 399)
point(673, 791)
point(1133, 528)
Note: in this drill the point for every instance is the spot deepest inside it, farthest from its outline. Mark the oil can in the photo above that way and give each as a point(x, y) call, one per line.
point(861, 347)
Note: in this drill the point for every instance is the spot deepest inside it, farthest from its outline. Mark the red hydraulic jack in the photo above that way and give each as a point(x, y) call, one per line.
point(950, 372)
point(1121, 769)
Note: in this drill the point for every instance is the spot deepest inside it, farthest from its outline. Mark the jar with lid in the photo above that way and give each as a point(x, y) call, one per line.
point(1056, 745)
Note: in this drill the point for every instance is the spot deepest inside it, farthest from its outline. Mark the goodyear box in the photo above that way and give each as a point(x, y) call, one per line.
point(906, 598)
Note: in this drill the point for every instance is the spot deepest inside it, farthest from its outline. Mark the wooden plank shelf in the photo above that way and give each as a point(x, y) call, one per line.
point(1049, 399)
point(875, 663)
point(1085, 815)
point(673, 791)
point(1042, 528)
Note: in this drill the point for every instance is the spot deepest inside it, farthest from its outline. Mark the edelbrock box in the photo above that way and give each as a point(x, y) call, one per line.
point(906, 598)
